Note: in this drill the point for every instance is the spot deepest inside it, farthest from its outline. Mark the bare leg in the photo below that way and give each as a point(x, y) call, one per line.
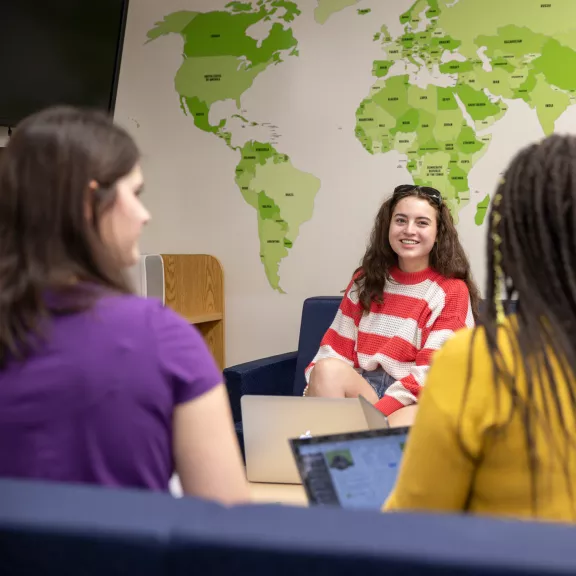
point(403, 417)
point(333, 378)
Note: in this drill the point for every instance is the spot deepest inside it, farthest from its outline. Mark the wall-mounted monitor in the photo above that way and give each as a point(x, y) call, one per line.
point(59, 52)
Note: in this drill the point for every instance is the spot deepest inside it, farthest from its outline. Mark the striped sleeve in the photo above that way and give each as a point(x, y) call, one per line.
point(340, 339)
point(454, 313)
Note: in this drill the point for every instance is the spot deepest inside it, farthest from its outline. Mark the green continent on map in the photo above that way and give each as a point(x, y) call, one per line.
point(481, 210)
point(522, 60)
point(326, 8)
point(429, 127)
point(220, 62)
point(442, 130)
point(283, 197)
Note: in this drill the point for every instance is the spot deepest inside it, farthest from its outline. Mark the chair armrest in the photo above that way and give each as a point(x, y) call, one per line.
point(272, 376)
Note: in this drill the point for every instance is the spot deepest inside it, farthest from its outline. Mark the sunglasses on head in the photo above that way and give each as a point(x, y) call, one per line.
point(431, 193)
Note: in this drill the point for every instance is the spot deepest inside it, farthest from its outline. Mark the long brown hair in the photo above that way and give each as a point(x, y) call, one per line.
point(48, 243)
point(447, 257)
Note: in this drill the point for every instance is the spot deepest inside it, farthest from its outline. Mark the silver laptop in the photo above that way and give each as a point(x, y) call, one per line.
point(269, 422)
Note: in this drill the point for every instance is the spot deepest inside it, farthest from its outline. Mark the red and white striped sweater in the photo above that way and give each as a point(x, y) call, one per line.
point(419, 312)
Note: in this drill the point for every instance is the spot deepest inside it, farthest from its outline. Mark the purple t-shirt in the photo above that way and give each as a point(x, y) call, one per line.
point(95, 403)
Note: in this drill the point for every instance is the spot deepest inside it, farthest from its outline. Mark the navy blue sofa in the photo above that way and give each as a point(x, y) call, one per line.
point(56, 530)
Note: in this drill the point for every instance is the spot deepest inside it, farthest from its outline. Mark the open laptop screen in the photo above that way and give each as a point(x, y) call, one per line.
point(352, 470)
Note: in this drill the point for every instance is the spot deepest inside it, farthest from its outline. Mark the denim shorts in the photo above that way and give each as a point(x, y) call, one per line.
point(379, 380)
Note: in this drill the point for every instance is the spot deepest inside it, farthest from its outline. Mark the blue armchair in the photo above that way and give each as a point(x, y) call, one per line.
point(283, 374)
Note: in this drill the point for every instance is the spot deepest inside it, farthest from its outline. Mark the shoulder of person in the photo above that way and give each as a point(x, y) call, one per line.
point(122, 307)
point(459, 345)
point(457, 349)
point(454, 287)
point(468, 351)
point(452, 292)
point(138, 313)
point(450, 365)
point(357, 273)
point(180, 347)
point(353, 287)
point(355, 282)
point(459, 379)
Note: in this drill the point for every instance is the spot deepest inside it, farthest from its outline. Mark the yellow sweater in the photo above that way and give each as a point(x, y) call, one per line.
point(436, 473)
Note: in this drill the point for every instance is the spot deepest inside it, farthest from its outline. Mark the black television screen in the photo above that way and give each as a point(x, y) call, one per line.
point(59, 52)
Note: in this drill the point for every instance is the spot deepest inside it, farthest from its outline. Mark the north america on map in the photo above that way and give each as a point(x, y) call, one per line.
point(438, 89)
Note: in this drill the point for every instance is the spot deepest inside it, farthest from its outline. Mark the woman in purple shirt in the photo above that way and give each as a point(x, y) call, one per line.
point(97, 385)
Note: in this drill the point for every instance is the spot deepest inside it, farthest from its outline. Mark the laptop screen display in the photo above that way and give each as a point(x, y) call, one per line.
point(354, 470)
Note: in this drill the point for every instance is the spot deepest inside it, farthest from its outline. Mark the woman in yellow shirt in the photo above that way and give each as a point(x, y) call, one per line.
point(495, 431)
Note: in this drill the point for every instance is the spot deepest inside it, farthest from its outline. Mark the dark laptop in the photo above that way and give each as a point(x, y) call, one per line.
point(350, 470)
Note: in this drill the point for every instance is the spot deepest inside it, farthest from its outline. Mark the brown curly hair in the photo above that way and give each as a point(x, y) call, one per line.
point(447, 257)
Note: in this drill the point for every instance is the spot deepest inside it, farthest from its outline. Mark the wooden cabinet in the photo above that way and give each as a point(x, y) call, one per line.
point(194, 287)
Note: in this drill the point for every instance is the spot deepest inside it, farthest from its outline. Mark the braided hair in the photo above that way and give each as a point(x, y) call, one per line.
point(531, 254)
